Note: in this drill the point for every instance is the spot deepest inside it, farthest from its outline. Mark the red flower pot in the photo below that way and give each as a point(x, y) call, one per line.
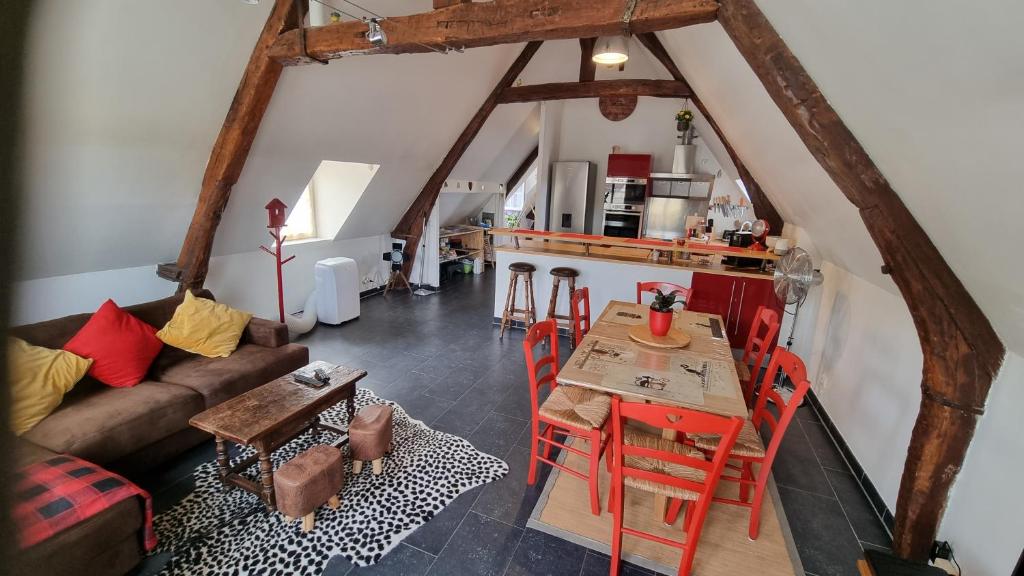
point(660, 322)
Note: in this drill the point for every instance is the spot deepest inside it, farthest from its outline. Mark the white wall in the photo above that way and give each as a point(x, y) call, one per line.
point(246, 281)
point(584, 134)
point(864, 361)
point(985, 519)
point(605, 280)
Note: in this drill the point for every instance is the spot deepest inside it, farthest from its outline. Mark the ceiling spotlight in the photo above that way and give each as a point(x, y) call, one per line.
point(252, 2)
point(611, 50)
point(375, 34)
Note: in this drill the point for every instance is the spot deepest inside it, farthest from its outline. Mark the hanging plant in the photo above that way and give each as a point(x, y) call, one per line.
point(684, 123)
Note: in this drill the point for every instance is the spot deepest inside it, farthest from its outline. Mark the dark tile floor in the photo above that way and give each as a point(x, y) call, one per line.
point(440, 358)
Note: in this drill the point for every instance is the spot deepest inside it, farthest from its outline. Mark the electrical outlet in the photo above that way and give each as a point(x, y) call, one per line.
point(941, 549)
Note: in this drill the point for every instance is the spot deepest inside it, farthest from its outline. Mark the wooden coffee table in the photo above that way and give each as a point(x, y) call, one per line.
point(272, 415)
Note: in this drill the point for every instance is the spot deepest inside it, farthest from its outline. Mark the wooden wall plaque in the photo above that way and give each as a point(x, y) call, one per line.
point(616, 108)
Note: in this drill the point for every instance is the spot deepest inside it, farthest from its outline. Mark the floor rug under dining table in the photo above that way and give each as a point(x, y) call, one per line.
point(218, 530)
point(724, 548)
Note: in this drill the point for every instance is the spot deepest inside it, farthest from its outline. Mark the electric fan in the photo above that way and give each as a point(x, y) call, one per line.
point(794, 277)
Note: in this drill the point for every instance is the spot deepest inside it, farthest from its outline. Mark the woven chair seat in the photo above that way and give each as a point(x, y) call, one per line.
point(743, 370)
point(747, 444)
point(634, 437)
point(577, 407)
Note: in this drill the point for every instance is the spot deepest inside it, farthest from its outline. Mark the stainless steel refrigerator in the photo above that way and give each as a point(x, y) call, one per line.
point(570, 203)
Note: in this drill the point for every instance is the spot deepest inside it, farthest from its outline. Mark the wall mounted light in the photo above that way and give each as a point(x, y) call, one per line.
point(375, 34)
point(611, 50)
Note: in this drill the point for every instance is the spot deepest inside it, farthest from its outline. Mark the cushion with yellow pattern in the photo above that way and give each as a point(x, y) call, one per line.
point(39, 378)
point(204, 327)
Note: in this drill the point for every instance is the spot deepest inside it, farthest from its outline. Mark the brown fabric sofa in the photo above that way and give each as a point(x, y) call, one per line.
point(130, 430)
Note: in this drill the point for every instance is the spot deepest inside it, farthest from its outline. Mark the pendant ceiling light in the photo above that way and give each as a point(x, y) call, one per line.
point(611, 50)
point(375, 34)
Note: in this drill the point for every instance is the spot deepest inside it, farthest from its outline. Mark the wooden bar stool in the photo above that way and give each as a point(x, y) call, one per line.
point(529, 310)
point(557, 274)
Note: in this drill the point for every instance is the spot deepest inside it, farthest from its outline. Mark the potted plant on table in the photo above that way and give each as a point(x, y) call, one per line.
point(660, 318)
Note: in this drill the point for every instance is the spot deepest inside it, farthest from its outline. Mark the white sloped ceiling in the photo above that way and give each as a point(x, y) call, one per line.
point(933, 96)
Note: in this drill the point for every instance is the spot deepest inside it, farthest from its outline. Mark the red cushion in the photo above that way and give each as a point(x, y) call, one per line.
point(122, 346)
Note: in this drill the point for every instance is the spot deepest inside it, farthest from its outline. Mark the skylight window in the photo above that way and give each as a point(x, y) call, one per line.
point(739, 184)
point(328, 200)
point(301, 223)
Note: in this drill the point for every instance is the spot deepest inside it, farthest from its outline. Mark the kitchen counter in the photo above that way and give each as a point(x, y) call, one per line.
point(611, 267)
point(692, 256)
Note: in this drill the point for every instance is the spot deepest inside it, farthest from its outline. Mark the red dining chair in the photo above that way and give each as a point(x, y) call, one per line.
point(568, 410)
point(759, 344)
point(580, 316)
point(748, 449)
point(651, 463)
point(665, 287)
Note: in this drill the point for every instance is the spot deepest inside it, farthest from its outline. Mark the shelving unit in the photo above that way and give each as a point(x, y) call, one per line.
point(472, 240)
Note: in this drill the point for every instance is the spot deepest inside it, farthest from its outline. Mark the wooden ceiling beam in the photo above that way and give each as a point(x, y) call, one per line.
point(410, 226)
point(962, 352)
point(446, 3)
point(763, 207)
point(520, 171)
point(588, 68)
point(476, 24)
point(595, 89)
point(232, 148)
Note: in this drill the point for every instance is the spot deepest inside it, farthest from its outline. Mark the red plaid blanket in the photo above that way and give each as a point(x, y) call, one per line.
point(55, 494)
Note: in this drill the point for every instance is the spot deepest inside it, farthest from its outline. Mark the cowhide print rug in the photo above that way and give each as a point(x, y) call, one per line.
point(218, 530)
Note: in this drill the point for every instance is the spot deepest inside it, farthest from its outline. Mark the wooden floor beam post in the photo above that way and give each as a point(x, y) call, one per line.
point(763, 207)
point(232, 145)
point(962, 352)
point(410, 226)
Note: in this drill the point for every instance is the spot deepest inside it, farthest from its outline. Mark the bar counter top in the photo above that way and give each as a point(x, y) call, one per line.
point(631, 254)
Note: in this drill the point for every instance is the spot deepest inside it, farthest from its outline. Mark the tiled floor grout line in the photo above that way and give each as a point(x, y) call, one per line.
point(449, 540)
point(817, 459)
point(404, 543)
point(849, 469)
point(514, 550)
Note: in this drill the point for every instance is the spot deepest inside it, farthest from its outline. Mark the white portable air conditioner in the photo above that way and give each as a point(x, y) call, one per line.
point(337, 290)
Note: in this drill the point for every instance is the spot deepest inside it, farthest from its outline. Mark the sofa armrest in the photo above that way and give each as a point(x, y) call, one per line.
point(267, 333)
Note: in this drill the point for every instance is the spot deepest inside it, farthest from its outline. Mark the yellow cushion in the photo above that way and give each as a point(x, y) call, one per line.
point(39, 379)
point(204, 327)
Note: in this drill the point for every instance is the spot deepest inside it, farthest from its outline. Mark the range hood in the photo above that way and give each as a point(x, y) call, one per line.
point(666, 185)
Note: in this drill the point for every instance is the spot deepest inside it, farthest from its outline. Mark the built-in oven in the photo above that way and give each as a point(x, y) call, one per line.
point(623, 220)
point(625, 191)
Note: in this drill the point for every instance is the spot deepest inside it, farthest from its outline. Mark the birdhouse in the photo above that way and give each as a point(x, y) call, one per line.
point(276, 211)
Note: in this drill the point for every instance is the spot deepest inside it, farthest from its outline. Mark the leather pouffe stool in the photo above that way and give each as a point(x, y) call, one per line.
point(557, 274)
point(307, 481)
point(369, 437)
point(529, 310)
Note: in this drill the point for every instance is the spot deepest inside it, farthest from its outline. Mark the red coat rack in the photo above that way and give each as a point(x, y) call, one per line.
point(276, 211)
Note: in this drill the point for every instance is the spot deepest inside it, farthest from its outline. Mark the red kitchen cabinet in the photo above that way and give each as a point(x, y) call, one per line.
point(735, 299)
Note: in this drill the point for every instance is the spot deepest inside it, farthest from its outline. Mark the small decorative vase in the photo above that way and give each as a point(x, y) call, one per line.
point(660, 322)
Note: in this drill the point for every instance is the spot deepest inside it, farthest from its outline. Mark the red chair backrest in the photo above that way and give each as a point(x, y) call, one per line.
point(665, 287)
point(545, 330)
point(759, 343)
point(580, 317)
point(679, 420)
point(793, 368)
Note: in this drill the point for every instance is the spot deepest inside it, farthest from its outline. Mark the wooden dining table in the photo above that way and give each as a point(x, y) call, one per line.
point(701, 376)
